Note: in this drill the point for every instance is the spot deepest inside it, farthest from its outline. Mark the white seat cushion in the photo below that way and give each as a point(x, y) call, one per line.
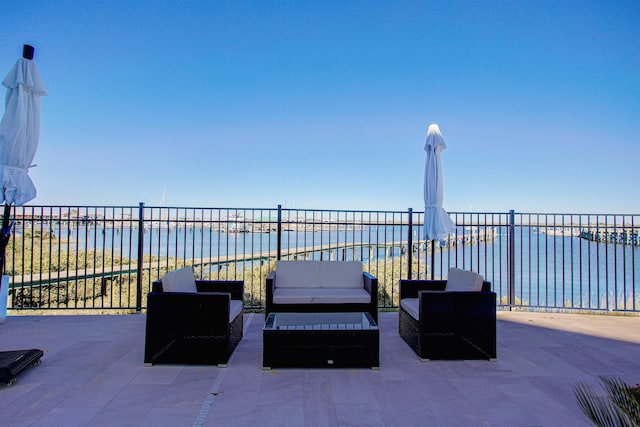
point(181, 280)
point(235, 308)
point(411, 306)
point(463, 281)
point(320, 296)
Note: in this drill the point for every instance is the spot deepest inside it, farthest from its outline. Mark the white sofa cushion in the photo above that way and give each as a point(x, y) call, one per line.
point(320, 296)
point(319, 274)
point(182, 280)
point(341, 274)
point(235, 308)
point(411, 306)
point(463, 281)
point(297, 274)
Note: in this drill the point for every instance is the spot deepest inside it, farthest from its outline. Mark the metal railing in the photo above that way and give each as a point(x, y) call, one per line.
point(106, 257)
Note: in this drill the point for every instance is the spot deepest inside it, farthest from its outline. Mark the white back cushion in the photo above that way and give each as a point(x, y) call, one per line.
point(297, 274)
point(341, 274)
point(182, 280)
point(461, 281)
point(319, 274)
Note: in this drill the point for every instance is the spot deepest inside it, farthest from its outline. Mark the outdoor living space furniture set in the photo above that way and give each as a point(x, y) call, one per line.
point(318, 314)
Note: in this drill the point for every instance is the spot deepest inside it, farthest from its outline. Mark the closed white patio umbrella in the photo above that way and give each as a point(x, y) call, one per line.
point(19, 134)
point(437, 224)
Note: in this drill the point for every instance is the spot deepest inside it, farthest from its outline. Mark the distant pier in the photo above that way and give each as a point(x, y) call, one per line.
point(627, 236)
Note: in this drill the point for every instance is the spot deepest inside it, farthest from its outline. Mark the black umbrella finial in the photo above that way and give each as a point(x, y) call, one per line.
point(27, 51)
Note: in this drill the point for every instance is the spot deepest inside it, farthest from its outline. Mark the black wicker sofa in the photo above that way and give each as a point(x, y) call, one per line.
point(321, 286)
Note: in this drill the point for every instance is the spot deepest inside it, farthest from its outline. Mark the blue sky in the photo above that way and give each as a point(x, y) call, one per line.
point(326, 104)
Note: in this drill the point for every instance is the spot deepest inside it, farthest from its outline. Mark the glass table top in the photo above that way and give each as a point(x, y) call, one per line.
point(320, 321)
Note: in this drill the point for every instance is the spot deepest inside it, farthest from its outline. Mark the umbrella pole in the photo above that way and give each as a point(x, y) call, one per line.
point(433, 258)
point(5, 234)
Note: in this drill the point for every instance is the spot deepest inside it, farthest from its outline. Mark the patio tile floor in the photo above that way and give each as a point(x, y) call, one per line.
point(92, 375)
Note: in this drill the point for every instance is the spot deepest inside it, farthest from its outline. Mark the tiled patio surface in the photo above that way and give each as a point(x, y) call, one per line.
point(92, 374)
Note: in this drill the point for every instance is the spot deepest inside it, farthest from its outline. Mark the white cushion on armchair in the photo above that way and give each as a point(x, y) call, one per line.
point(182, 280)
point(463, 281)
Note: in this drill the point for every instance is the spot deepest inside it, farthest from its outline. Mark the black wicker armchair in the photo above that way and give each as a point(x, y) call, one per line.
point(194, 328)
point(447, 325)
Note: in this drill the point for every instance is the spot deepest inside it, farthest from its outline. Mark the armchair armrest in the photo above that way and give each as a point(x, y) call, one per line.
point(271, 283)
point(271, 280)
point(460, 298)
point(410, 288)
point(234, 287)
point(156, 286)
point(270, 287)
point(371, 285)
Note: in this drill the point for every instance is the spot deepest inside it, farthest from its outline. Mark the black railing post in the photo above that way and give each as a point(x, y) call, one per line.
point(140, 256)
point(410, 246)
point(279, 238)
point(512, 263)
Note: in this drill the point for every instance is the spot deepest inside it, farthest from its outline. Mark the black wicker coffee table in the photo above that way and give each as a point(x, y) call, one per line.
point(320, 340)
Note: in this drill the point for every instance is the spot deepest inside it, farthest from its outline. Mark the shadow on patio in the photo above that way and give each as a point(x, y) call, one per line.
point(92, 373)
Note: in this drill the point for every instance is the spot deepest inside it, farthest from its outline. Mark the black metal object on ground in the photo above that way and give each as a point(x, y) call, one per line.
point(12, 363)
